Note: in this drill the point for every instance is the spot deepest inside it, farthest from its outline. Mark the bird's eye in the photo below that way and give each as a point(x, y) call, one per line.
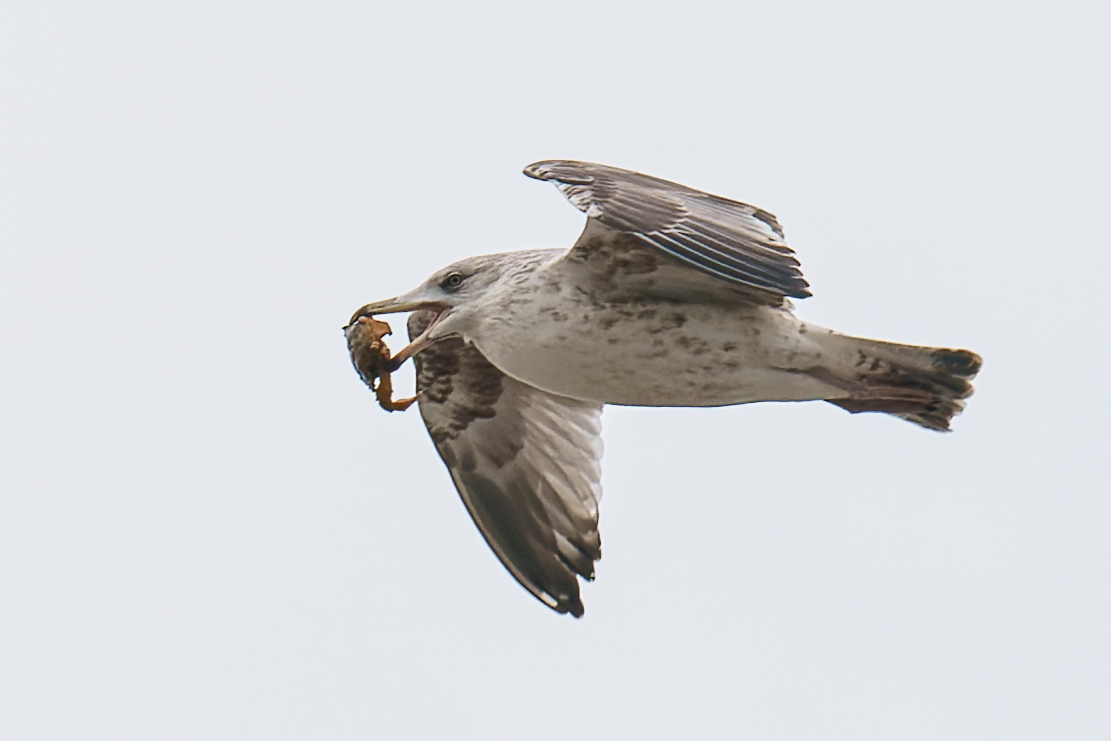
point(452, 281)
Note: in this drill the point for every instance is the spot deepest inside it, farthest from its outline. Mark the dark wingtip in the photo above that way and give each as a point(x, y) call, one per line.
point(959, 362)
point(539, 170)
point(799, 289)
point(572, 172)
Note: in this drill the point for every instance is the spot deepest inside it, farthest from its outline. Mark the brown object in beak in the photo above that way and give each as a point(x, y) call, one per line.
point(371, 359)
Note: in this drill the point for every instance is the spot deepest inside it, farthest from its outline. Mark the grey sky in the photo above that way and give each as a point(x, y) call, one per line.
point(209, 530)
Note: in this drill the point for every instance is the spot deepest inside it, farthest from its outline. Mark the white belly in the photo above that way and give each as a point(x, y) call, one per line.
point(659, 353)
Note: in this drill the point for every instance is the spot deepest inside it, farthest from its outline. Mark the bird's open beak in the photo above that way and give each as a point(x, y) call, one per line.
point(397, 304)
point(411, 301)
point(391, 306)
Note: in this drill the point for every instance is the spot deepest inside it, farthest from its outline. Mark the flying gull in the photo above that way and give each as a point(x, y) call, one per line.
point(670, 297)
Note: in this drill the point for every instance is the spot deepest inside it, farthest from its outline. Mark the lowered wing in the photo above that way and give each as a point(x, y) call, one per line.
point(525, 462)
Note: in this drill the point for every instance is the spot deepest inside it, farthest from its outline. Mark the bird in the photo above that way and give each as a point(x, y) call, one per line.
point(670, 297)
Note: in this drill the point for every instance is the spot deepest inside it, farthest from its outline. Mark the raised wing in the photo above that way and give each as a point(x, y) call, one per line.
point(728, 240)
point(525, 462)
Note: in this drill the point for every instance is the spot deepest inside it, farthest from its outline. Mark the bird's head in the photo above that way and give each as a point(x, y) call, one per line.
point(447, 292)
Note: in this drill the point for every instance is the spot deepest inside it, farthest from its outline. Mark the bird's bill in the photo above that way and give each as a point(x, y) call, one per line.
point(398, 304)
point(393, 305)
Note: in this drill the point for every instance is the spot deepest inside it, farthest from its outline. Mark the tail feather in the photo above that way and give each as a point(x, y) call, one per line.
point(925, 385)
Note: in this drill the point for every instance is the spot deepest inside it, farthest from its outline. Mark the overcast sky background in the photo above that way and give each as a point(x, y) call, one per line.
point(209, 530)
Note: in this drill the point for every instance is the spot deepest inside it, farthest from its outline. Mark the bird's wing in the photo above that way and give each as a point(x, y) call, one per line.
point(525, 462)
point(728, 240)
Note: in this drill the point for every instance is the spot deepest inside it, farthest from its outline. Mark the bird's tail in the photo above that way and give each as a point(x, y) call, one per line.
point(925, 385)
